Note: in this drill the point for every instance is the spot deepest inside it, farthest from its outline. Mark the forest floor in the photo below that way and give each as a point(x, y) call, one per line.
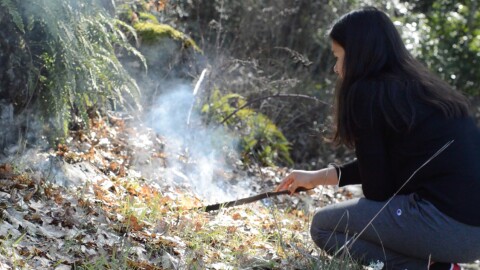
point(115, 197)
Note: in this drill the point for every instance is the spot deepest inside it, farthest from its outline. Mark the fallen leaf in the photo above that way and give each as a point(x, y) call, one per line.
point(236, 216)
point(134, 224)
point(231, 229)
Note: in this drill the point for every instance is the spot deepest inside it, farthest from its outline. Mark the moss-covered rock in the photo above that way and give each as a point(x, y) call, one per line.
point(151, 32)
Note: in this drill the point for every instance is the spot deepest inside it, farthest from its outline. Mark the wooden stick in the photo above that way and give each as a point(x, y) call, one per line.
point(251, 199)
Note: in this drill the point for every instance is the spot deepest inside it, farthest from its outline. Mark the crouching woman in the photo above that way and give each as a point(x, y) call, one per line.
point(417, 156)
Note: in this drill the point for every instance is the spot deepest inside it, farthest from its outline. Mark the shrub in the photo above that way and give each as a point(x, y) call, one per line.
point(260, 137)
point(67, 60)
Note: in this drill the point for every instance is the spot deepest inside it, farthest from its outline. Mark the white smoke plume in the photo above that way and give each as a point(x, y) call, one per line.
point(197, 153)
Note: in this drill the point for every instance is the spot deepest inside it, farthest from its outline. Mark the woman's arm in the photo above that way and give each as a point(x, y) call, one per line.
point(308, 179)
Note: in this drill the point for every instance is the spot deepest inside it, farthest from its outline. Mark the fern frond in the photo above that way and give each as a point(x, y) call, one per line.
point(12, 10)
point(130, 29)
point(75, 65)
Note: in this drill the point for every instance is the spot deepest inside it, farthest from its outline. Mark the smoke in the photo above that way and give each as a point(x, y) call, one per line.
point(198, 155)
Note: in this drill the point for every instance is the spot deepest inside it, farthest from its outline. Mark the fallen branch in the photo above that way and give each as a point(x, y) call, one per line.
point(272, 96)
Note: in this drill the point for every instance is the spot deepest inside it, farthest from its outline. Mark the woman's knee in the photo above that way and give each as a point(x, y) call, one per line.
point(318, 232)
point(321, 229)
point(327, 221)
point(331, 217)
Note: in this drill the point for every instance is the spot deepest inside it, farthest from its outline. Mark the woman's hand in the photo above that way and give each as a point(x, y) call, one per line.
point(298, 179)
point(308, 179)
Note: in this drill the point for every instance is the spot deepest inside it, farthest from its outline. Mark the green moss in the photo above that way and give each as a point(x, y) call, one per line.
point(152, 32)
point(147, 17)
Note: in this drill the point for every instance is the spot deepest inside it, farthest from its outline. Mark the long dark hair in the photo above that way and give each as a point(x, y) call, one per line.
point(375, 52)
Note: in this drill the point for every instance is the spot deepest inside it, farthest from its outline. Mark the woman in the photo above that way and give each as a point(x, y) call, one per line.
point(417, 156)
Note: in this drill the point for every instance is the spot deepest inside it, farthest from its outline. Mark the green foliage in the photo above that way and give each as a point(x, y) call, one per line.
point(448, 41)
point(73, 64)
point(260, 137)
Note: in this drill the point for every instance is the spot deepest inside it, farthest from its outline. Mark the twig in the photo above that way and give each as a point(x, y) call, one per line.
point(273, 96)
point(296, 56)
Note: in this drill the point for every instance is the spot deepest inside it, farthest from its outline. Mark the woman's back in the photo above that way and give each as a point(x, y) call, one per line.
point(389, 150)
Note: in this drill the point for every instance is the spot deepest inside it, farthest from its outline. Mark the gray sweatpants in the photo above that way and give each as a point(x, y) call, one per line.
point(405, 235)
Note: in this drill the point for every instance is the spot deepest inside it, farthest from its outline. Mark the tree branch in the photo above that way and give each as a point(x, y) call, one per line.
point(273, 96)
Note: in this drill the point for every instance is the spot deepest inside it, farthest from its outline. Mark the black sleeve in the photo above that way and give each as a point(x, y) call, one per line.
point(349, 174)
point(372, 167)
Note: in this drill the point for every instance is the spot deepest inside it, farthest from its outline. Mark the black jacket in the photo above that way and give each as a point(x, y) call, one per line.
point(387, 157)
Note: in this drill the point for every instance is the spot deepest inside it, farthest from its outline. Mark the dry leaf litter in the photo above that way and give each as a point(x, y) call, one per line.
point(110, 199)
